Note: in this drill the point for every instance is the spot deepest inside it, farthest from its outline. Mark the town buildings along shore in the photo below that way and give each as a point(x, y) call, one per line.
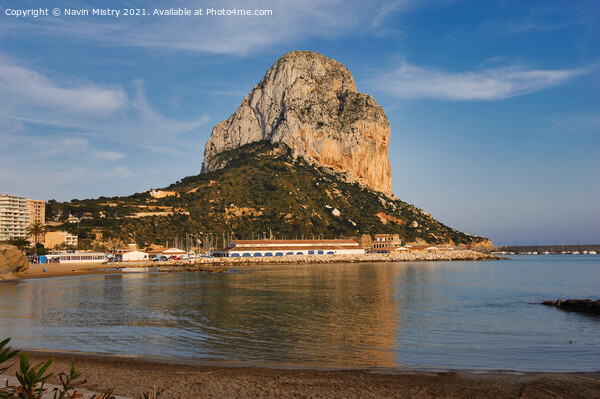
point(258, 248)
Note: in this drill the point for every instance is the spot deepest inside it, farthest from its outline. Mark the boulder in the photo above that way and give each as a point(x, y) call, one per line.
point(12, 261)
point(577, 305)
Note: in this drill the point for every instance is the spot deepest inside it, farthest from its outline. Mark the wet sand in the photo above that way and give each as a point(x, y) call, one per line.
point(70, 269)
point(131, 377)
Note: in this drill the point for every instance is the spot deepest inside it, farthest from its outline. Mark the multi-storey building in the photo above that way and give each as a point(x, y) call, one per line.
point(386, 243)
point(14, 217)
point(37, 211)
point(55, 239)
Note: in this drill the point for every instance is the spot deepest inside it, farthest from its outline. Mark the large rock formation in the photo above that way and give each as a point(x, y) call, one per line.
point(310, 103)
point(11, 261)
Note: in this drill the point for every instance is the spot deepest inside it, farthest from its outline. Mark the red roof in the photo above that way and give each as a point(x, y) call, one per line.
point(284, 249)
point(298, 242)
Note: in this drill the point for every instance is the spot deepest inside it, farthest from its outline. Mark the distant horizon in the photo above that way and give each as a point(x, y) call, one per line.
point(494, 107)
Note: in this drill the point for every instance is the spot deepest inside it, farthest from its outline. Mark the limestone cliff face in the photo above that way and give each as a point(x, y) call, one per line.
point(309, 102)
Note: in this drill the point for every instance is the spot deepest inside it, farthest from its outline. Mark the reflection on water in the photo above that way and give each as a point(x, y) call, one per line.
point(443, 314)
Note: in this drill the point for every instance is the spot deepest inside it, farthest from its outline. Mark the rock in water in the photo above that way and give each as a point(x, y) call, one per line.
point(310, 103)
point(11, 261)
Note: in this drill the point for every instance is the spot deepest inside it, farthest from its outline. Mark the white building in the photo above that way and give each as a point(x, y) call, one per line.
point(14, 217)
point(166, 252)
point(77, 257)
point(256, 248)
point(131, 256)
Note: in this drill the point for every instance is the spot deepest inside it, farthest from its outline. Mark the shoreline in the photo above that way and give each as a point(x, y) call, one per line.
point(131, 376)
point(217, 264)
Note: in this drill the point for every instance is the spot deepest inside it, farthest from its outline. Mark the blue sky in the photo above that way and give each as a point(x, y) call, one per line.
point(494, 105)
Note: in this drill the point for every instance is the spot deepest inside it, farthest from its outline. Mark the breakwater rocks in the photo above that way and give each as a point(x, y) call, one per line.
point(404, 256)
point(577, 305)
point(193, 267)
point(219, 265)
point(12, 261)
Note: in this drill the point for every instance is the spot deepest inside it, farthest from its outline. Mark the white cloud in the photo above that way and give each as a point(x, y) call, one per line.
point(31, 98)
point(121, 172)
point(580, 124)
point(109, 155)
point(22, 86)
point(290, 21)
point(410, 81)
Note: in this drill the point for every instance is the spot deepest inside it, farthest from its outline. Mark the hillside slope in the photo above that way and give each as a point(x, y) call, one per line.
point(262, 189)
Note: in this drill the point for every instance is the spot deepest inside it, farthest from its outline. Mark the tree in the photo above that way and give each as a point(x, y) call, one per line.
point(36, 230)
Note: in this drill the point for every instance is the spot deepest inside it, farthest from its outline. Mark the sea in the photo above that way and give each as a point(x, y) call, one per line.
point(475, 316)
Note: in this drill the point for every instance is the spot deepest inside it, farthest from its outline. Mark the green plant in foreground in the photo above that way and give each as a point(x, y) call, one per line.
point(67, 382)
point(155, 394)
point(5, 354)
point(32, 378)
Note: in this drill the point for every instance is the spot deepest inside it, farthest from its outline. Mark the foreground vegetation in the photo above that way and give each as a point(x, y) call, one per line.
point(32, 380)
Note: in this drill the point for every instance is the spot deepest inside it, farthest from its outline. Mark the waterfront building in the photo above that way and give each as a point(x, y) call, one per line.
point(386, 243)
point(255, 248)
point(166, 252)
point(76, 257)
point(54, 239)
point(37, 211)
point(14, 217)
point(131, 256)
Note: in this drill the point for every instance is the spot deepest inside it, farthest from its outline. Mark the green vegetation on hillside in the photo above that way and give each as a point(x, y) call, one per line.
point(262, 189)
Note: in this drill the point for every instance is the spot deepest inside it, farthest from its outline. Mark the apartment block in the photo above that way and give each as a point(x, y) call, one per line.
point(37, 211)
point(14, 217)
point(57, 238)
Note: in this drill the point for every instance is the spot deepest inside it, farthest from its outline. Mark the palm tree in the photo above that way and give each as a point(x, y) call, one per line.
point(36, 230)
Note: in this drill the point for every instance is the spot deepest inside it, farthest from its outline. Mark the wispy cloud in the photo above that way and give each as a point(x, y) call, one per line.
point(57, 131)
point(546, 18)
point(233, 34)
point(410, 82)
point(24, 86)
point(86, 109)
point(109, 155)
point(579, 124)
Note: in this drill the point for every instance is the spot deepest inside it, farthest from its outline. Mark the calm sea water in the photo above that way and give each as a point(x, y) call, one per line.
point(440, 315)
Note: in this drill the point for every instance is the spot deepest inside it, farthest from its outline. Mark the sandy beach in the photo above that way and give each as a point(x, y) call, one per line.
point(131, 377)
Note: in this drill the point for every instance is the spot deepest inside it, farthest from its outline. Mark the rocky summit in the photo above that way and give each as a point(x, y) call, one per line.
point(309, 103)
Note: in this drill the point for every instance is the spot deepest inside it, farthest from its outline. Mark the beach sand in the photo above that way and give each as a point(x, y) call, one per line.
point(73, 269)
point(131, 377)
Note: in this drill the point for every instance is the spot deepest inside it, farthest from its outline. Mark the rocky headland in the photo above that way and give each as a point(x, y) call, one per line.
point(304, 155)
point(309, 102)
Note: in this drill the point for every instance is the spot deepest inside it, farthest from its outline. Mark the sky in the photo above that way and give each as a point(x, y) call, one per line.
point(493, 105)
